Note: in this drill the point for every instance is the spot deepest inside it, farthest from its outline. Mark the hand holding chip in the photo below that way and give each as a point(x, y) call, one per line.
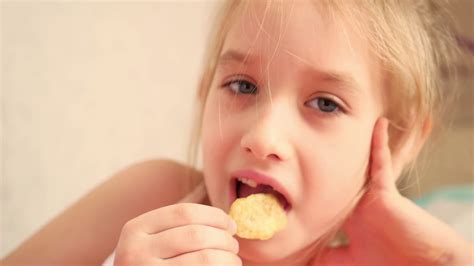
point(179, 234)
point(388, 229)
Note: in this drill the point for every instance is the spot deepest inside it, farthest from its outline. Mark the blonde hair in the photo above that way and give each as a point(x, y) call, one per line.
point(413, 40)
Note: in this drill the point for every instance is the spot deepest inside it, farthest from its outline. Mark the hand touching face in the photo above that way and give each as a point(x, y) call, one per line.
point(388, 229)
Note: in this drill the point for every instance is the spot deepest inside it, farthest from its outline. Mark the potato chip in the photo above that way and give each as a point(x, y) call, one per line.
point(258, 216)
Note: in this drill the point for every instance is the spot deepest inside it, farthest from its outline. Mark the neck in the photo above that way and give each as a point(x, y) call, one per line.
point(253, 263)
point(245, 263)
point(303, 257)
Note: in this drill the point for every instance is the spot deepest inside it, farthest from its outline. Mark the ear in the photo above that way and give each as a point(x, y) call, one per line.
point(412, 146)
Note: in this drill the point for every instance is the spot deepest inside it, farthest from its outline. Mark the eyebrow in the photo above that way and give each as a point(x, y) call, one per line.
point(234, 56)
point(339, 79)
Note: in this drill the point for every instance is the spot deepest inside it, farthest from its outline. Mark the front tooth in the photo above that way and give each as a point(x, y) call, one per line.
point(251, 183)
point(247, 181)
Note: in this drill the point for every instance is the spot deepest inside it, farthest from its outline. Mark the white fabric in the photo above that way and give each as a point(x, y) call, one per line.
point(110, 260)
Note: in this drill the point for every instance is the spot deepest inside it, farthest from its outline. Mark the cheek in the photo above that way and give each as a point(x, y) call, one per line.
point(222, 124)
point(213, 152)
point(211, 139)
point(338, 169)
point(219, 139)
point(333, 177)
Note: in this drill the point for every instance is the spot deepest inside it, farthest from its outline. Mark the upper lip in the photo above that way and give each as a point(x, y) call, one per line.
point(264, 180)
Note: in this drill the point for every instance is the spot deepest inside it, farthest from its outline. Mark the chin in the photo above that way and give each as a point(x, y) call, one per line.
point(263, 251)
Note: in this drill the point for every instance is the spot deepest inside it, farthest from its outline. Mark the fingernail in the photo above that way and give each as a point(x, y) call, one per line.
point(232, 227)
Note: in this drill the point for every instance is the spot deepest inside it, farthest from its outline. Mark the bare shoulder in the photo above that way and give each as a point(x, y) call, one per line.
point(94, 222)
point(164, 181)
point(165, 168)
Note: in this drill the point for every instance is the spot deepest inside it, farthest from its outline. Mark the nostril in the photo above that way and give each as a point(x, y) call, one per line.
point(261, 152)
point(271, 156)
point(274, 156)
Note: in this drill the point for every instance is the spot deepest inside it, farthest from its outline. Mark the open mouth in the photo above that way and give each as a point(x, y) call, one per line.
point(244, 187)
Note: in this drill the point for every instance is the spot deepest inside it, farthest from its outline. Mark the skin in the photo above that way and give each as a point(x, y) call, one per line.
point(87, 232)
point(321, 160)
point(388, 229)
point(282, 131)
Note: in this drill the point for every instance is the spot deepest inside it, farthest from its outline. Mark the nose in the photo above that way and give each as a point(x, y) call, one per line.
point(265, 138)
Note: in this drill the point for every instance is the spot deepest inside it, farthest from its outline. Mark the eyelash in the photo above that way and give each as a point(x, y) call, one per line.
point(239, 80)
point(254, 90)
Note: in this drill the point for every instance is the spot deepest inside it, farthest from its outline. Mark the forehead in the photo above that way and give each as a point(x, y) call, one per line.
point(300, 34)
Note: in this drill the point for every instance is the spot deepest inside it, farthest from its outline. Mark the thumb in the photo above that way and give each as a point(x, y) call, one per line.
point(381, 181)
point(381, 170)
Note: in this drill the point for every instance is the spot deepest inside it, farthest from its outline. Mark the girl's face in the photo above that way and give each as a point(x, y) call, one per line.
point(295, 97)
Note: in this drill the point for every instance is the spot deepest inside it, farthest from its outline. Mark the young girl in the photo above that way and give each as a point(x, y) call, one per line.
point(328, 102)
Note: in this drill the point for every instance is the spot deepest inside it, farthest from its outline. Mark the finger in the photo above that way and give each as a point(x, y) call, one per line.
point(207, 257)
point(183, 214)
point(190, 238)
point(381, 172)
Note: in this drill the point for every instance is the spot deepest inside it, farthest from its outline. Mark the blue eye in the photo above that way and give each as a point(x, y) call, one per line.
point(325, 105)
point(240, 86)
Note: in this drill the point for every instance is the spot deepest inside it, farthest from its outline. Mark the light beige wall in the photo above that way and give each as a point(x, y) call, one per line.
point(89, 88)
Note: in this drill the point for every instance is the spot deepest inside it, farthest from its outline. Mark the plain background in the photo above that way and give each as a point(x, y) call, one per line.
point(89, 88)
